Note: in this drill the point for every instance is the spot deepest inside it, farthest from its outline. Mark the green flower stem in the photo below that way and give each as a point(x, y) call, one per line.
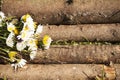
point(2, 38)
point(25, 51)
point(7, 51)
point(2, 53)
point(5, 58)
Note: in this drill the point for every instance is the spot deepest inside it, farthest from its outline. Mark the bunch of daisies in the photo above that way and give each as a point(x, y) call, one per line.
point(18, 37)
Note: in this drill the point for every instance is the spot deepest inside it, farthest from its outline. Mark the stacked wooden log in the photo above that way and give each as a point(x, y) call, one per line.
point(66, 11)
point(63, 20)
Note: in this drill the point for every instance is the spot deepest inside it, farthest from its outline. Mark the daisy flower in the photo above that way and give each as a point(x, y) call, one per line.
point(26, 18)
point(25, 35)
point(11, 28)
point(12, 55)
point(20, 63)
point(21, 45)
point(32, 48)
point(33, 54)
point(29, 27)
point(32, 44)
point(27, 31)
point(39, 30)
point(46, 41)
point(2, 16)
point(10, 39)
point(28, 21)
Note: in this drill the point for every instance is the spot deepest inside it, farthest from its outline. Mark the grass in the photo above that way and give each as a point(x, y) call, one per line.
point(61, 42)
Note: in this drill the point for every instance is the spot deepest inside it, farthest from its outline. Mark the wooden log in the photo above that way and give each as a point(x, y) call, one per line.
point(56, 72)
point(79, 54)
point(117, 67)
point(65, 11)
point(76, 54)
point(88, 32)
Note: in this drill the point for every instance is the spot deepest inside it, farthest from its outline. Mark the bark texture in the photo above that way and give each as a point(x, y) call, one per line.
point(91, 32)
point(65, 11)
point(56, 72)
point(79, 54)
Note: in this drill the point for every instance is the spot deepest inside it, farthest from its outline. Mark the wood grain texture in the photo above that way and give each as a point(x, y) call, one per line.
point(64, 12)
point(86, 32)
point(79, 54)
point(56, 72)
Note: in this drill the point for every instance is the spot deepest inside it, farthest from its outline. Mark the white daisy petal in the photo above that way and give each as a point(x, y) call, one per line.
point(28, 27)
point(2, 15)
point(21, 45)
point(26, 18)
point(47, 47)
point(32, 48)
point(12, 65)
point(32, 44)
point(20, 64)
point(23, 61)
point(47, 42)
point(10, 27)
point(15, 67)
point(10, 40)
point(29, 20)
point(33, 54)
point(39, 29)
point(26, 35)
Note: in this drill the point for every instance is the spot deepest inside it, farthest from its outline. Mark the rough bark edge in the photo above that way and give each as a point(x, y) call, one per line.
point(79, 54)
point(88, 32)
point(56, 72)
point(63, 12)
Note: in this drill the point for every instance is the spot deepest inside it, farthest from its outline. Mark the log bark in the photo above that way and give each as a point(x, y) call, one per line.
point(56, 72)
point(65, 11)
point(79, 54)
point(91, 32)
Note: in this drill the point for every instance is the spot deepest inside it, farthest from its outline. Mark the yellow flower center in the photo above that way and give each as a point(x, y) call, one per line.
point(12, 54)
point(16, 31)
point(24, 18)
point(35, 41)
point(26, 28)
point(23, 35)
point(35, 25)
point(45, 39)
point(11, 28)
